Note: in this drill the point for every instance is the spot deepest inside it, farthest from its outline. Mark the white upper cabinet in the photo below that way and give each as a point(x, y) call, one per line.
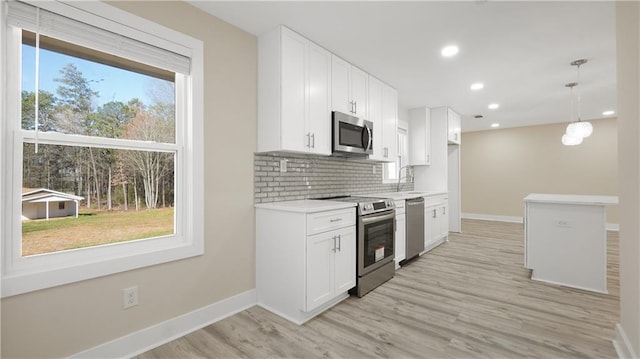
point(349, 88)
point(454, 126)
point(294, 109)
point(319, 99)
point(389, 122)
point(300, 83)
point(420, 136)
point(340, 79)
point(383, 112)
point(375, 116)
point(359, 91)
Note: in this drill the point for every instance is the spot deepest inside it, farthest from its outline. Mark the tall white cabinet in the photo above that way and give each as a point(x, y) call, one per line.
point(305, 256)
point(441, 172)
point(294, 92)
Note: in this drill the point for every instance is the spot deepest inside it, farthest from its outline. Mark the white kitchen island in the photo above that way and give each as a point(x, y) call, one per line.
point(566, 239)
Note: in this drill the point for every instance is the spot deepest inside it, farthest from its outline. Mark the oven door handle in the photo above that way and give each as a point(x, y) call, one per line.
point(378, 217)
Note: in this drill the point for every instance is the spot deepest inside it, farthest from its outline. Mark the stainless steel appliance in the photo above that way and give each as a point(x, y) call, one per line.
point(352, 136)
point(376, 232)
point(414, 209)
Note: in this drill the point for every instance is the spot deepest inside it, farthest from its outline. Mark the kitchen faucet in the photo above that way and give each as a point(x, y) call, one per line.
point(408, 175)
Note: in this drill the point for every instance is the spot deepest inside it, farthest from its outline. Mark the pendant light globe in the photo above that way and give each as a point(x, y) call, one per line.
point(569, 140)
point(580, 129)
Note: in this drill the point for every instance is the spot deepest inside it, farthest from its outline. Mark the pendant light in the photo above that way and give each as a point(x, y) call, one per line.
point(576, 130)
point(571, 138)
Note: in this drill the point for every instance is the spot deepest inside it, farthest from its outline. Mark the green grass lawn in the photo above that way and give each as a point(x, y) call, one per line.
point(93, 228)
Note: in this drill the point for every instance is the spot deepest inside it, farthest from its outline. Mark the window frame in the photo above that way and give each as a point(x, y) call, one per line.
point(400, 159)
point(25, 274)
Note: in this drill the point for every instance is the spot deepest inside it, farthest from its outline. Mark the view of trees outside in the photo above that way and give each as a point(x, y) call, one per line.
point(110, 180)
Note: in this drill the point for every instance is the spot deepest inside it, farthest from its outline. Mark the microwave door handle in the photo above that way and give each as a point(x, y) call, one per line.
point(367, 146)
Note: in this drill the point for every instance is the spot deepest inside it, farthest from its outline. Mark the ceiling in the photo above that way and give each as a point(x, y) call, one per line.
point(521, 51)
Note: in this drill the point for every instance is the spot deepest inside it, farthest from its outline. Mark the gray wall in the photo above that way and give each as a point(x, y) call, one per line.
point(315, 177)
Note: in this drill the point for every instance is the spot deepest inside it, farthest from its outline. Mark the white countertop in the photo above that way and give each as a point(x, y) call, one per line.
point(306, 205)
point(572, 199)
point(397, 196)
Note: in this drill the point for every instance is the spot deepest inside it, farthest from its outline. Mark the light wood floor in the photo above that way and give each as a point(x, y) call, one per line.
point(468, 298)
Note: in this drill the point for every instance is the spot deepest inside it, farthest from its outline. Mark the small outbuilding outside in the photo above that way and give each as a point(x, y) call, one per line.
point(45, 203)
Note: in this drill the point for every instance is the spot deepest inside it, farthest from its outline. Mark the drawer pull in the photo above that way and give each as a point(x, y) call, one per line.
point(335, 220)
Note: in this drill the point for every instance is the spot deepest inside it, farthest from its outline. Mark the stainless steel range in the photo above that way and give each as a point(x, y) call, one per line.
point(375, 229)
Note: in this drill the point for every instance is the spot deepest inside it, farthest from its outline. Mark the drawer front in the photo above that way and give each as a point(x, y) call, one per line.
point(435, 200)
point(325, 221)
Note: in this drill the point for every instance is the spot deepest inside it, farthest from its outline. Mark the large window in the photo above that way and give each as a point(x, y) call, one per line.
point(102, 133)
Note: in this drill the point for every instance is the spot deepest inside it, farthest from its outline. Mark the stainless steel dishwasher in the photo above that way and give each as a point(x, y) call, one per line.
point(414, 226)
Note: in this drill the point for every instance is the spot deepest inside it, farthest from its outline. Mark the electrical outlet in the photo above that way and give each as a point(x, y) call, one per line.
point(374, 169)
point(283, 166)
point(130, 297)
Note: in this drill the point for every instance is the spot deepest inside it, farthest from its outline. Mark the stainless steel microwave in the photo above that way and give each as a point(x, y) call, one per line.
point(352, 136)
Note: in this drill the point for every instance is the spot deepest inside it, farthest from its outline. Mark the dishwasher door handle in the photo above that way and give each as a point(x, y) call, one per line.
point(415, 202)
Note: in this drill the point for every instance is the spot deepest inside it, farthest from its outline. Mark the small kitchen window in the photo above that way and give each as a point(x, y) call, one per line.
point(106, 120)
point(391, 170)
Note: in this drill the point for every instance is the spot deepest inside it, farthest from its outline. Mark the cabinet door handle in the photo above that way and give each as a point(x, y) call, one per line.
point(334, 243)
point(355, 104)
point(339, 243)
point(335, 220)
point(434, 213)
point(444, 210)
point(428, 158)
point(308, 139)
point(313, 140)
point(351, 106)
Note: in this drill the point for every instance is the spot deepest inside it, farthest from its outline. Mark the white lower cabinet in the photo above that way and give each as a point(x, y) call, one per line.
point(436, 221)
point(401, 233)
point(305, 261)
point(331, 268)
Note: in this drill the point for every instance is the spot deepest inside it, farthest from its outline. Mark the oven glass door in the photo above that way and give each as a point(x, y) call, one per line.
point(376, 241)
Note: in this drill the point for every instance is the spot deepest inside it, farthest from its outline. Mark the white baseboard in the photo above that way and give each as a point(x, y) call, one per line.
point(516, 219)
point(146, 339)
point(622, 345)
point(492, 217)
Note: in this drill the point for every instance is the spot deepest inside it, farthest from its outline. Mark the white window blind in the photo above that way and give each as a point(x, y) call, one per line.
point(26, 16)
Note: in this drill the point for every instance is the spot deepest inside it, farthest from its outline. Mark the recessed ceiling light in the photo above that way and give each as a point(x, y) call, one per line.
point(449, 51)
point(477, 86)
point(494, 125)
point(493, 106)
point(608, 113)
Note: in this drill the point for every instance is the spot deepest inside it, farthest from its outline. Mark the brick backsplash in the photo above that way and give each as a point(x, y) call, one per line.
point(316, 177)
